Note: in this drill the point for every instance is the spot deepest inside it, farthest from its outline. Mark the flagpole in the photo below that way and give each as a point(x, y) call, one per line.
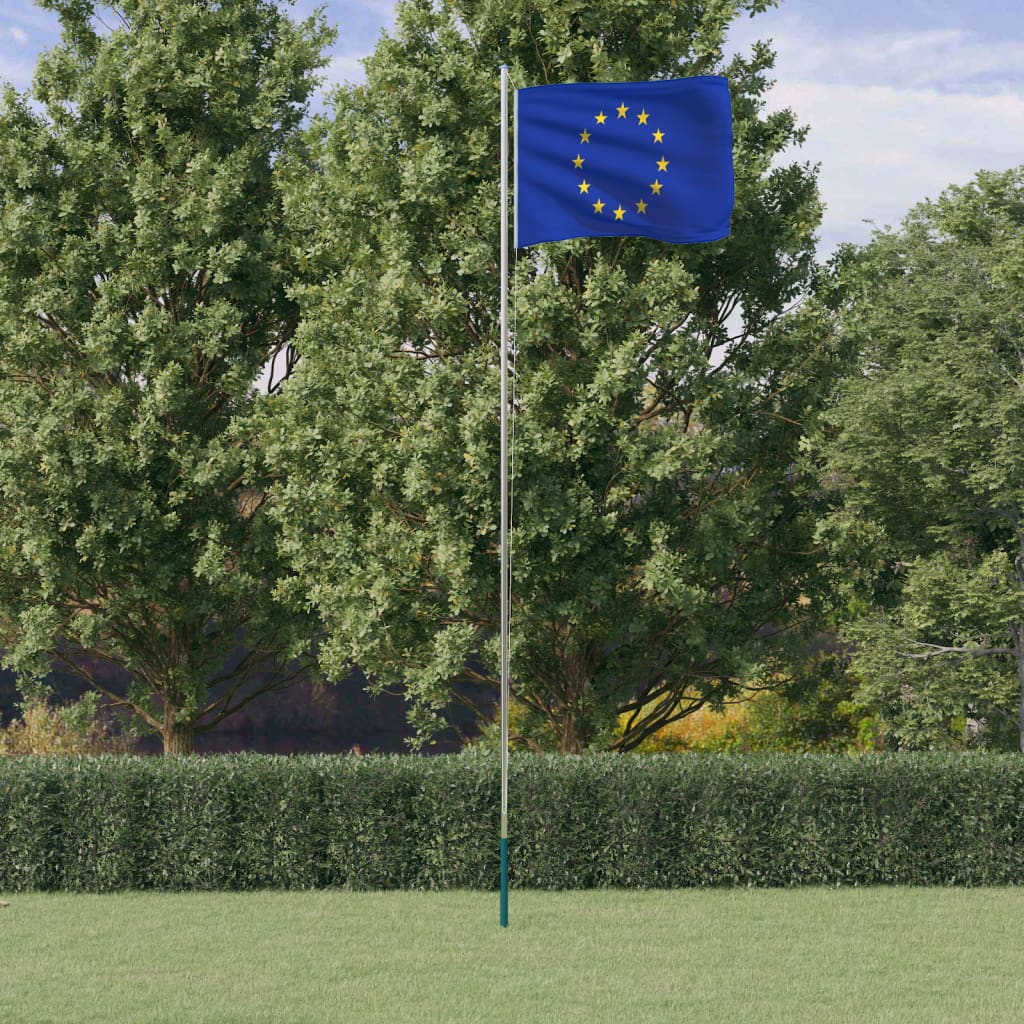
point(505, 582)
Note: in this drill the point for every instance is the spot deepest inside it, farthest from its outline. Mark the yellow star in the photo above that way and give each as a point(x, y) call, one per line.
point(601, 118)
point(584, 187)
point(662, 164)
point(622, 110)
point(578, 162)
point(642, 117)
point(584, 136)
point(598, 206)
point(656, 187)
point(619, 212)
point(659, 135)
point(641, 207)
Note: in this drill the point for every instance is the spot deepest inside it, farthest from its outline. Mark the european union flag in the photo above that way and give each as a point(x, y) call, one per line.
point(624, 158)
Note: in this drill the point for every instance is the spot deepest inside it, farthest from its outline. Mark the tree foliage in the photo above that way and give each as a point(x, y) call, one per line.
point(924, 459)
point(661, 542)
point(143, 273)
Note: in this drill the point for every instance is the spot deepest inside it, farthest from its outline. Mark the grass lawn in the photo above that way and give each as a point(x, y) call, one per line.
point(825, 956)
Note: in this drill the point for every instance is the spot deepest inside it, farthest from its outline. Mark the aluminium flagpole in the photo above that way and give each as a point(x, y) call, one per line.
point(505, 582)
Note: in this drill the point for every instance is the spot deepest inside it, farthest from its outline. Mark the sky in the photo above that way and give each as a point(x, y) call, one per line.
point(902, 97)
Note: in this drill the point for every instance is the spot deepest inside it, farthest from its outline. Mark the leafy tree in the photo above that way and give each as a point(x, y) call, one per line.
point(143, 273)
point(924, 459)
point(661, 535)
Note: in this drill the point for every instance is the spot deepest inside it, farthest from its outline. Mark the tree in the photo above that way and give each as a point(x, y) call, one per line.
point(661, 538)
point(143, 273)
point(923, 456)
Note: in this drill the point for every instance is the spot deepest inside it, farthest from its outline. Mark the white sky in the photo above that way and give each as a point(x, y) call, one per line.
point(903, 97)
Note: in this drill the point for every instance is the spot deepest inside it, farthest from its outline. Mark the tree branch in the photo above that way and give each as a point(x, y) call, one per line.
point(939, 650)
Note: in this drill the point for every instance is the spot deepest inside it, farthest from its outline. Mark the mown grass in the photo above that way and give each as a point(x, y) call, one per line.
point(826, 956)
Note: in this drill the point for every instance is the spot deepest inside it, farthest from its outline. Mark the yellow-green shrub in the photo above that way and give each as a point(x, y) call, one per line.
point(68, 729)
point(704, 730)
point(824, 720)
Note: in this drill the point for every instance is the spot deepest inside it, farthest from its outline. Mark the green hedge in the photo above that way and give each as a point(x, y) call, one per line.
point(249, 821)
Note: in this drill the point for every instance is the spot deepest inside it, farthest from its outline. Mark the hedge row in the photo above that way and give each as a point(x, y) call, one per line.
point(250, 821)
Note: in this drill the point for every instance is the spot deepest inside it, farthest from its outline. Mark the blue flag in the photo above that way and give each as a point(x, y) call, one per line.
point(624, 158)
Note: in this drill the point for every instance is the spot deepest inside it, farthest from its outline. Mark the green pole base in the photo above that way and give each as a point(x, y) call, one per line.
point(504, 882)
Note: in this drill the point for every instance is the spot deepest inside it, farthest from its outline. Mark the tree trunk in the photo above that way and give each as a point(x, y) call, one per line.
point(571, 730)
point(570, 740)
point(1017, 628)
point(178, 737)
point(974, 728)
point(1017, 632)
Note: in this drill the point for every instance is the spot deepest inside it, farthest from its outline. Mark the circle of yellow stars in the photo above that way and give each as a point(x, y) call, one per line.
point(655, 186)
